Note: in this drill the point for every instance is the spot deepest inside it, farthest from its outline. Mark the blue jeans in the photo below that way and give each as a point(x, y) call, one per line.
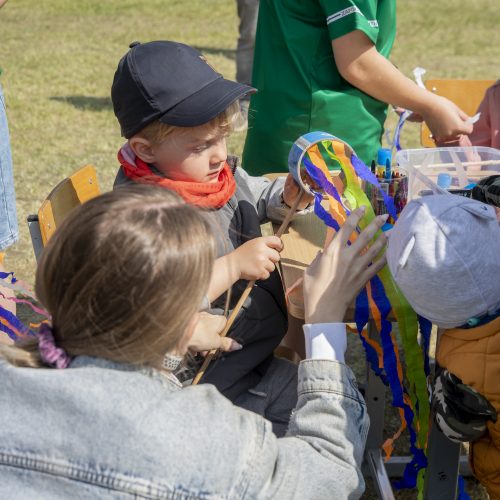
point(8, 219)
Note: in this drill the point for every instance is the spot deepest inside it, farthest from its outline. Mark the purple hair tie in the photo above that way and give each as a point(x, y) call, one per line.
point(49, 352)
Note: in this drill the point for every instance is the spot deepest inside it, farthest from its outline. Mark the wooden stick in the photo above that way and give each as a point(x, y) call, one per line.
point(245, 294)
point(464, 163)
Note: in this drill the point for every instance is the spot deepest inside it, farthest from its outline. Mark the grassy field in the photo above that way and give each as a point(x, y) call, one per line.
point(59, 57)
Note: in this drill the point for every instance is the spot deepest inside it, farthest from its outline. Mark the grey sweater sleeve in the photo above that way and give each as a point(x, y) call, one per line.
point(322, 453)
point(267, 197)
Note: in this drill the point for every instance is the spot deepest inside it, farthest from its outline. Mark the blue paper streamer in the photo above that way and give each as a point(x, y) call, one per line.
point(396, 142)
point(15, 322)
point(361, 317)
point(462, 494)
point(419, 460)
point(366, 174)
point(325, 216)
point(320, 178)
point(6, 275)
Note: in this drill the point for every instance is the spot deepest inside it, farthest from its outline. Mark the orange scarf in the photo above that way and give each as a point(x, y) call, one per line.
point(202, 194)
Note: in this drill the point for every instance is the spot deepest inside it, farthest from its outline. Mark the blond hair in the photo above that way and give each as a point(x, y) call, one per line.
point(156, 131)
point(123, 276)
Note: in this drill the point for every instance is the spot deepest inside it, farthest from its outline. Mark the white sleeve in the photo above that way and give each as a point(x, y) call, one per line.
point(325, 341)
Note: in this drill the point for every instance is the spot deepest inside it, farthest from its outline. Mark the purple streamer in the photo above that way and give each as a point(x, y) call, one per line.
point(320, 178)
point(363, 172)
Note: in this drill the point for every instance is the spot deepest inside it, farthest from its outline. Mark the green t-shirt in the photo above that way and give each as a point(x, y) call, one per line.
point(299, 87)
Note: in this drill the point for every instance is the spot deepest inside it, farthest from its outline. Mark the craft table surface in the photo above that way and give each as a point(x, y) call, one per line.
point(301, 241)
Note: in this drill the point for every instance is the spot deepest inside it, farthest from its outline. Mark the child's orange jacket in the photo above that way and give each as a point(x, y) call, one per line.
point(474, 356)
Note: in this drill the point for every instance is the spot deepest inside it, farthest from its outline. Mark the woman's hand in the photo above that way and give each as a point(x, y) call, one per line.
point(206, 335)
point(290, 192)
point(337, 274)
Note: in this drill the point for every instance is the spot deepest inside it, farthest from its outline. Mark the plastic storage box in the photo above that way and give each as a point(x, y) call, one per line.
point(465, 166)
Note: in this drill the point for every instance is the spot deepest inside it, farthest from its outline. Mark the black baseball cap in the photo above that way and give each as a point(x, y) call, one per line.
point(170, 82)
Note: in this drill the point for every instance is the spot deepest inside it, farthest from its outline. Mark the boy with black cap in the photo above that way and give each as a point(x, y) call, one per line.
point(175, 111)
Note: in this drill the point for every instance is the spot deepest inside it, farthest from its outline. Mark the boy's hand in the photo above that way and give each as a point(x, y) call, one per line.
point(256, 259)
point(292, 190)
point(206, 335)
point(446, 120)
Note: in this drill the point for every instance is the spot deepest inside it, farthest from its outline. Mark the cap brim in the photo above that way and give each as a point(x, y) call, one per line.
point(206, 104)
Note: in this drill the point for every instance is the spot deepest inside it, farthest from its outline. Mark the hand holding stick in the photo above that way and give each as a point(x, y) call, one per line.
point(245, 293)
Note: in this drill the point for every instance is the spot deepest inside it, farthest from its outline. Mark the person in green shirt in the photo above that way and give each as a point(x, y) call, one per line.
point(323, 65)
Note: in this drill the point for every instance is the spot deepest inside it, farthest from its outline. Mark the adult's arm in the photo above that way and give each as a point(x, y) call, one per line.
point(322, 453)
point(359, 62)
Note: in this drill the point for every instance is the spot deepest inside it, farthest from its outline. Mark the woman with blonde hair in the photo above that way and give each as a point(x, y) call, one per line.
point(91, 408)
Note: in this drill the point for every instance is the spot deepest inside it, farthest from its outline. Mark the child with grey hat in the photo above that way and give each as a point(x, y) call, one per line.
point(444, 254)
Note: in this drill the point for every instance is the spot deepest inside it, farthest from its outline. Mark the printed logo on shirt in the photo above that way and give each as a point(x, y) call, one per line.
point(342, 13)
point(373, 23)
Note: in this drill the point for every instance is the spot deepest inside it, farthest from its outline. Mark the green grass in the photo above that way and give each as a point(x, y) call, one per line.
point(59, 57)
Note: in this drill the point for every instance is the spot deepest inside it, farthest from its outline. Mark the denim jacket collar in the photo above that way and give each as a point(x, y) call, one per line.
point(167, 379)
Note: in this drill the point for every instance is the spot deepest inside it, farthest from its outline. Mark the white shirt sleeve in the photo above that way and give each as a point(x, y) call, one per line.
point(325, 341)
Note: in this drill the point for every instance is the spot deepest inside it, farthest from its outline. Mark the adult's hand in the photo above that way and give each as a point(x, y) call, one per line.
point(206, 335)
point(337, 274)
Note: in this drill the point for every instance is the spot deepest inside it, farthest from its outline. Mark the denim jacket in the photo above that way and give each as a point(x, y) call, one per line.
point(9, 231)
point(104, 430)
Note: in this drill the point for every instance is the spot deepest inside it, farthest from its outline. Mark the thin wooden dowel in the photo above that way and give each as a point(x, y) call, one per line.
point(223, 333)
point(289, 215)
point(464, 163)
point(244, 295)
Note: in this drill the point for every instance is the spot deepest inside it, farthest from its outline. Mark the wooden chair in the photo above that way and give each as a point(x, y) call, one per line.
point(467, 94)
point(67, 195)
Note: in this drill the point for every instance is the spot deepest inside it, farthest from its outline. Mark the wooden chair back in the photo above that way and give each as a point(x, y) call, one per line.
point(67, 195)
